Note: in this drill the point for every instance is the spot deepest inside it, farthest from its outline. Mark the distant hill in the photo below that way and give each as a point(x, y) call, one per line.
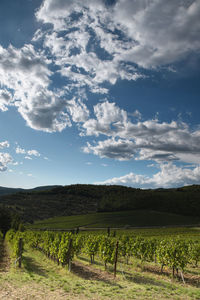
point(46, 202)
point(9, 191)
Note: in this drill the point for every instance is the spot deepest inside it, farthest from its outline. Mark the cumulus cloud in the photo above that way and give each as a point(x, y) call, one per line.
point(107, 116)
point(78, 111)
point(4, 144)
point(164, 31)
point(111, 148)
point(28, 157)
point(5, 99)
point(26, 73)
point(168, 175)
point(5, 159)
point(137, 114)
point(147, 140)
point(20, 150)
point(75, 40)
point(32, 152)
point(146, 33)
point(88, 44)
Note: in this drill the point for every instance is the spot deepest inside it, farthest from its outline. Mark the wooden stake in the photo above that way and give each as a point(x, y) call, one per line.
point(69, 255)
point(182, 277)
point(20, 252)
point(116, 255)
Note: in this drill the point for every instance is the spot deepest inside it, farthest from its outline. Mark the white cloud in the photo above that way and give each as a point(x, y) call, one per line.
point(164, 31)
point(28, 157)
point(91, 43)
point(147, 33)
point(108, 116)
point(148, 154)
point(26, 73)
point(78, 60)
point(169, 175)
point(58, 12)
point(147, 140)
point(4, 144)
point(5, 99)
point(5, 159)
point(111, 148)
point(137, 114)
point(19, 150)
point(32, 152)
point(78, 111)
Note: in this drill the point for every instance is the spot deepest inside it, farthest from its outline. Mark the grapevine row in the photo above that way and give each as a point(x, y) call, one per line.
point(15, 239)
point(174, 253)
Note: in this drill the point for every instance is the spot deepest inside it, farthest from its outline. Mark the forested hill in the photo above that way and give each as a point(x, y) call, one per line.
point(82, 199)
point(9, 191)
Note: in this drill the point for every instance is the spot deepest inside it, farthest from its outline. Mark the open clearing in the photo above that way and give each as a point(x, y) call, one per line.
point(137, 218)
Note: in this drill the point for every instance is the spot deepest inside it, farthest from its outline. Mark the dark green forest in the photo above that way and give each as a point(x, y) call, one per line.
point(83, 199)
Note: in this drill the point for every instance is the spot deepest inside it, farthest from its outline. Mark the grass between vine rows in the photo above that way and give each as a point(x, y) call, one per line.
point(41, 278)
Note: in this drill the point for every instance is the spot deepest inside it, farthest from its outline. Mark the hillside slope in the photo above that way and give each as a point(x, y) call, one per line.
point(9, 191)
point(83, 199)
point(119, 219)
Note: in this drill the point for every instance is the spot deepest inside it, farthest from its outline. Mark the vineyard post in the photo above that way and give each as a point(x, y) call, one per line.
point(116, 254)
point(20, 252)
point(182, 277)
point(108, 231)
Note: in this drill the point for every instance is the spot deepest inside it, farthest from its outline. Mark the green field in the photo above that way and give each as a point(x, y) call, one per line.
point(123, 219)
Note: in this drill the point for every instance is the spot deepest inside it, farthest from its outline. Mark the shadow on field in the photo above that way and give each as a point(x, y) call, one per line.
point(88, 261)
point(139, 279)
point(89, 273)
point(31, 266)
point(190, 278)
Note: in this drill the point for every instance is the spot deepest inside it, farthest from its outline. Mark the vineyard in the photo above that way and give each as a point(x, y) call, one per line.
point(172, 253)
point(101, 265)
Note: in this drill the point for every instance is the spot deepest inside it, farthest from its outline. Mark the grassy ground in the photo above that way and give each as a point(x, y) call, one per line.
point(139, 218)
point(41, 278)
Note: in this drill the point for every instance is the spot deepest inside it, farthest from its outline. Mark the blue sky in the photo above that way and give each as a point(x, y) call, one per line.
point(100, 92)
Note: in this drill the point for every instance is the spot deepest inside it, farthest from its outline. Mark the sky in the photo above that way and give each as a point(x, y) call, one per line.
point(100, 92)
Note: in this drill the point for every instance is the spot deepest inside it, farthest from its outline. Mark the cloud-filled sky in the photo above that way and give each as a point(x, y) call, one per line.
point(100, 91)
